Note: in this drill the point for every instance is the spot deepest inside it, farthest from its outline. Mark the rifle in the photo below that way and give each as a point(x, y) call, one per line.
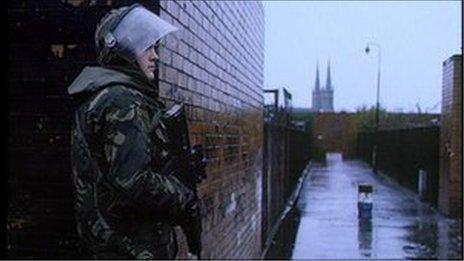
point(190, 165)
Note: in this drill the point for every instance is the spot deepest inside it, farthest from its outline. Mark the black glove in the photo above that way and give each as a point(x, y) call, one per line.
point(192, 229)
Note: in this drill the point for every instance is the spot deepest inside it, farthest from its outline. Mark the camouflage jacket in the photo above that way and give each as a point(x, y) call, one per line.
point(125, 206)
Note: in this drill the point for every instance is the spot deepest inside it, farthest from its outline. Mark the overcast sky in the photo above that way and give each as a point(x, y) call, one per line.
point(415, 37)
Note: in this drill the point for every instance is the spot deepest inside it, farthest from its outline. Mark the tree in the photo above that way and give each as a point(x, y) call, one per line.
point(365, 118)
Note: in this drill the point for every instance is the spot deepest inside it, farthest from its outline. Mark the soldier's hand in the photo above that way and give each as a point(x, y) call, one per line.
point(144, 255)
point(191, 256)
point(192, 228)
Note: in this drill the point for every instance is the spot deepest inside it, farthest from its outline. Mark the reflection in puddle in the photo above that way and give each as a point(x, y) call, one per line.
point(365, 236)
point(423, 237)
point(432, 238)
point(401, 226)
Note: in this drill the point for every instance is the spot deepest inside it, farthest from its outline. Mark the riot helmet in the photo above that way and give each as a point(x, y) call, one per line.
point(128, 31)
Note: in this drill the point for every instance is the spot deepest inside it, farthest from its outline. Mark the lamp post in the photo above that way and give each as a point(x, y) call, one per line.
point(377, 107)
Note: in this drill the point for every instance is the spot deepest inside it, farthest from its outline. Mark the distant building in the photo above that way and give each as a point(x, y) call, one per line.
point(323, 98)
point(450, 193)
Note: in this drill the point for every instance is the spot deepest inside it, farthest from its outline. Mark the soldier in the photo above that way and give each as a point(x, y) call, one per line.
point(126, 202)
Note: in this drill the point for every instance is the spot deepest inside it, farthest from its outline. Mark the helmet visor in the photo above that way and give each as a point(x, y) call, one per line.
point(138, 30)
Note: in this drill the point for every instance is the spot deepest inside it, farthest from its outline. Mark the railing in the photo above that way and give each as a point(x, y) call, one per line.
point(286, 152)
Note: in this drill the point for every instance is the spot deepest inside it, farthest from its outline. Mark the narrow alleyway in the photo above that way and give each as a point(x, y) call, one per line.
point(327, 225)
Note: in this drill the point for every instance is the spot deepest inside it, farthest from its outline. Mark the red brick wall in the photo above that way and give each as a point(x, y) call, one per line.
point(216, 67)
point(214, 64)
point(337, 132)
point(450, 191)
point(334, 132)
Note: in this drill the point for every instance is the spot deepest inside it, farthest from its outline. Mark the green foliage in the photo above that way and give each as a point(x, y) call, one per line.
point(365, 117)
point(300, 116)
point(303, 114)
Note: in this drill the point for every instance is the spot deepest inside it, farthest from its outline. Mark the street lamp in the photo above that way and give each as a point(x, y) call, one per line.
point(376, 127)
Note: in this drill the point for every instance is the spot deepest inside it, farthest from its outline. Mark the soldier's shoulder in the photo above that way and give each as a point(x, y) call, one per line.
point(122, 96)
point(116, 96)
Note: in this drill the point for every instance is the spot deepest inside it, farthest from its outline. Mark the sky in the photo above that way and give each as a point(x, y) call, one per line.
point(415, 38)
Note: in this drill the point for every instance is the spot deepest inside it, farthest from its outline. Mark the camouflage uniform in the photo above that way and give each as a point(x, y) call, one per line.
point(126, 205)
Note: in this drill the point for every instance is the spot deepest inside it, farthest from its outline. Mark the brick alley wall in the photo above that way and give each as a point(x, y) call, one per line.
point(333, 132)
point(214, 64)
point(450, 202)
point(338, 132)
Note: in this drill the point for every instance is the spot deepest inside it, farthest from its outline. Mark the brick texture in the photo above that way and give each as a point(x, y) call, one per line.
point(214, 64)
point(450, 193)
point(334, 132)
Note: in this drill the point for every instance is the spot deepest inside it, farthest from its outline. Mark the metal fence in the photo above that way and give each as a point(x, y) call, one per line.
point(406, 154)
point(286, 152)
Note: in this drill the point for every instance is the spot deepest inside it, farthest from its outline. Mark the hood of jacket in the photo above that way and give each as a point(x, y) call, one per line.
point(95, 78)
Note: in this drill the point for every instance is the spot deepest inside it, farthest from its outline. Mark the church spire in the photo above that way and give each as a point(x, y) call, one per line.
point(328, 84)
point(317, 85)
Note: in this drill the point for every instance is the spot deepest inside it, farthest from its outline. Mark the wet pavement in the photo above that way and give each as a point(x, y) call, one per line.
point(325, 225)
